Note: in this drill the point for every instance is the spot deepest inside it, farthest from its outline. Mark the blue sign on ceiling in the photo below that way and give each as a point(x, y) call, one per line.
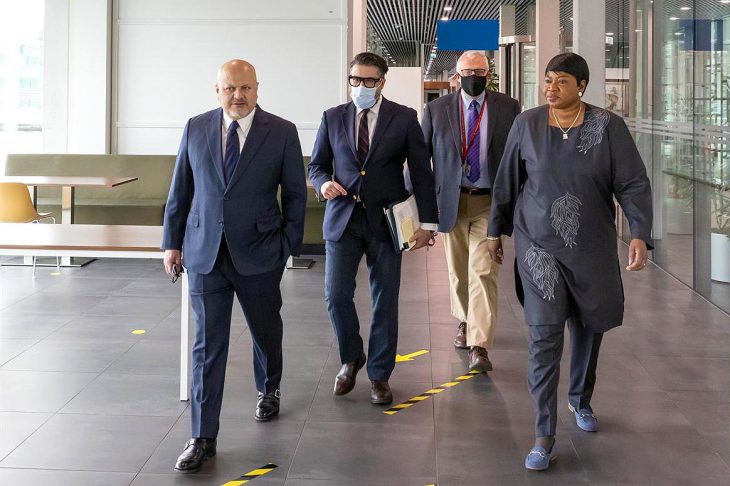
point(465, 35)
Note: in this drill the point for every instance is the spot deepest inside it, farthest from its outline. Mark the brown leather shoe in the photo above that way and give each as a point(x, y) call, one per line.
point(460, 339)
point(380, 393)
point(479, 360)
point(345, 380)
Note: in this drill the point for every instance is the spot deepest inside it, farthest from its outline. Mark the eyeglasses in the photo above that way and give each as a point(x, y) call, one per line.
point(355, 81)
point(473, 72)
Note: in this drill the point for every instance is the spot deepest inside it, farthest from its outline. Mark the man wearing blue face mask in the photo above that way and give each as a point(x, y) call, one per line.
point(357, 165)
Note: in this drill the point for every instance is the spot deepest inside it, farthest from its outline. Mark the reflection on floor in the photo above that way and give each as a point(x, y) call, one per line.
point(84, 400)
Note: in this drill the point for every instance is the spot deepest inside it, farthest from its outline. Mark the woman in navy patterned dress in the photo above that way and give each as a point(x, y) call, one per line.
point(563, 164)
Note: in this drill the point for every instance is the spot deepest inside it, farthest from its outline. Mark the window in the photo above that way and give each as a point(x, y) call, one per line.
point(21, 77)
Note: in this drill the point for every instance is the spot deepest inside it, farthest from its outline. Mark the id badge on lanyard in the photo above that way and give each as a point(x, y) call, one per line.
point(465, 144)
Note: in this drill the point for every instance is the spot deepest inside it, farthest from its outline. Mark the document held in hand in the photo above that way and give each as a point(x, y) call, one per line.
point(403, 222)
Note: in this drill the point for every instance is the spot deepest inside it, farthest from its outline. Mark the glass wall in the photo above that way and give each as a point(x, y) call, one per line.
point(668, 62)
point(21, 77)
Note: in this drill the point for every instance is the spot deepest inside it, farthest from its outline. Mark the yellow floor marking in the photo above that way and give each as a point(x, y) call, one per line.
point(139, 331)
point(251, 475)
point(428, 394)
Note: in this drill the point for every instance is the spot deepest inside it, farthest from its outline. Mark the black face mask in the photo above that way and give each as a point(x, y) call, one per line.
point(473, 85)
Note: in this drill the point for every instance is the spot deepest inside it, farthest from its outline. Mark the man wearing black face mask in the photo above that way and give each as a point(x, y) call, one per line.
point(466, 133)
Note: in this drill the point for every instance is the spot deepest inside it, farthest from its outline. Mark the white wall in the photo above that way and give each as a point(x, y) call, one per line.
point(404, 85)
point(168, 51)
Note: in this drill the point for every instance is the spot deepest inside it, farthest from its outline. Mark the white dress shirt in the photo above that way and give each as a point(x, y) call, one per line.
point(372, 121)
point(244, 125)
point(483, 181)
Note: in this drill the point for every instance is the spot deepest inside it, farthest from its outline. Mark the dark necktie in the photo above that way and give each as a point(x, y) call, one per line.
point(232, 152)
point(363, 137)
point(472, 156)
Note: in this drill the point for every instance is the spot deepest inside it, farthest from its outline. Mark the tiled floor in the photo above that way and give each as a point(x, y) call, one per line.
point(83, 401)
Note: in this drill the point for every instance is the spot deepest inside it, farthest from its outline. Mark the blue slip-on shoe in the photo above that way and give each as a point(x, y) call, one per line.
point(585, 419)
point(539, 459)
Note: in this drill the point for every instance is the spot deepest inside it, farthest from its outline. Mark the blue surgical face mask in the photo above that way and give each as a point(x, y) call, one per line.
point(363, 97)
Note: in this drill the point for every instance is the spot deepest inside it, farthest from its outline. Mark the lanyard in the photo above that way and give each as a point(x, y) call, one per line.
point(464, 143)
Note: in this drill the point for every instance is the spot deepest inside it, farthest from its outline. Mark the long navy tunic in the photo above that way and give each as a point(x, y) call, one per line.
point(557, 196)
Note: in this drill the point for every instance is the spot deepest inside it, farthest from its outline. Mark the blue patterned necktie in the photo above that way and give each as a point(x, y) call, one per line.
point(232, 152)
point(472, 155)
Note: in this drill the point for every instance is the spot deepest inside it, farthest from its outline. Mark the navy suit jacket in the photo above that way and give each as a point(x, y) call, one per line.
point(201, 208)
point(442, 131)
point(397, 138)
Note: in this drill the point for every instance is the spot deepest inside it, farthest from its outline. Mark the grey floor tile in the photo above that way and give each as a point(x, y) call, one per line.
point(683, 374)
point(708, 412)
point(354, 451)
point(43, 477)
point(91, 443)
point(69, 356)
point(150, 356)
point(355, 407)
point(626, 457)
point(10, 348)
point(242, 446)
point(54, 304)
point(116, 305)
point(16, 427)
point(84, 329)
point(30, 325)
point(100, 287)
point(39, 391)
point(126, 394)
point(500, 459)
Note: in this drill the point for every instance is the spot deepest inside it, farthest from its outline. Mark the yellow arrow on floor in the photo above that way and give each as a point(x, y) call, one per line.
point(409, 357)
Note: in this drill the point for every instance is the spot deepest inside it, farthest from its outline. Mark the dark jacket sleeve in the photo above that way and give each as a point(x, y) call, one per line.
point(179, 198)
point(293, 192)
point(630, 183)
point(421, 174)
point(507, 185)
point(320, 166)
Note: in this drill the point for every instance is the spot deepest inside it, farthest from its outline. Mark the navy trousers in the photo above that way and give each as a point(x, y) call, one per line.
point(543, 370)
point(384, 265)
point(211, 295)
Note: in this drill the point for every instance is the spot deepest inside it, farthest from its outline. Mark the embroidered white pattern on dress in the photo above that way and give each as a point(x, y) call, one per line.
point(565, 215)
point(591, 132)
point(544, 270)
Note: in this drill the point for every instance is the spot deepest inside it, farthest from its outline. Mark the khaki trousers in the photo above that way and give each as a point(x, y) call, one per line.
point(472, 273)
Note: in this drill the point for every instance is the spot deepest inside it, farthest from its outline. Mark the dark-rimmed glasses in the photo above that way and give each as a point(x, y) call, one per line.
point(355, 81)
point(473, 72)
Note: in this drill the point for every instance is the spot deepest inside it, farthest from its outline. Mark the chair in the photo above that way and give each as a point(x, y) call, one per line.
point(17, 207)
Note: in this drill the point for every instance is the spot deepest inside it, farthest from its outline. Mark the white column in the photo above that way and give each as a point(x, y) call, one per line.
point(506, 20)
point(547, 41)
point(589, 40)
point(55, 77)
point(89, 94)
point(358, 19)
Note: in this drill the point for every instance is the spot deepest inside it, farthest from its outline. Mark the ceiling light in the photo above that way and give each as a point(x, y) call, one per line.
point(609, 33)
point(444, 18)
point(678, 33)
point(673, 18)
point(635, 30)
point(685, 8)
point(724, 1)
point(571, 19)
point(447, 8)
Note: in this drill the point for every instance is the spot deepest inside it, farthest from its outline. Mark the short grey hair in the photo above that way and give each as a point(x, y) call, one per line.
point(467, 54)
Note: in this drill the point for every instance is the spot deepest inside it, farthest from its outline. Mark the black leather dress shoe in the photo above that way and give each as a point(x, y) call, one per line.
point(196, 451)
point(380, 393)
point(345, 380)
point(268, 406)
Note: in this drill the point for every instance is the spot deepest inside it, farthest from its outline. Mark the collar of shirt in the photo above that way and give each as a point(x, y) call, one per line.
point(373, 109)
point(466, 99)
point(244, 124)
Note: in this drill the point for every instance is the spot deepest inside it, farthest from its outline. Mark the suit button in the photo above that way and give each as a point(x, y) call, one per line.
point(362, 172)
point(220, 222)
point(226, 198)
point(354, 197)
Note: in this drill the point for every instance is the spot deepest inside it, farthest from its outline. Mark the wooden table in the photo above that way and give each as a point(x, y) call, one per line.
point(99, 241)
point(68, 186)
